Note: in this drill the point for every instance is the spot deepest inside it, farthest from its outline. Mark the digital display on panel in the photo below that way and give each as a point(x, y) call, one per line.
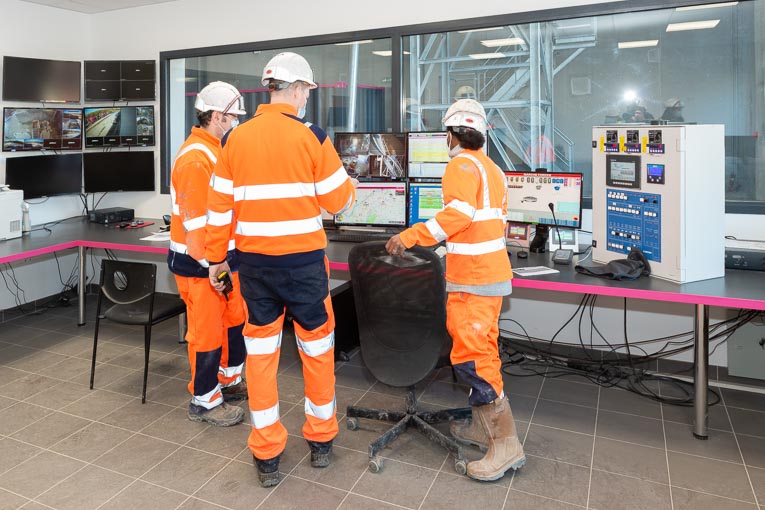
point(41, 80)
point(119, 126)
point(529, 194)
point(45, 176)
point(425, 200)
point(427, 154)
point(373, 155)
point(623, 171)
point(378, 204)
point(34, 129)
point(118, 171)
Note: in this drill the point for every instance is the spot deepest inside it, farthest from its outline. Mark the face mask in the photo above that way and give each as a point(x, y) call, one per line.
point(301, 112)
point(453, 151)
point(234, 123)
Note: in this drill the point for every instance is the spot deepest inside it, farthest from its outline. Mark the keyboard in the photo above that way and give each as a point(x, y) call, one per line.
point(358, 237)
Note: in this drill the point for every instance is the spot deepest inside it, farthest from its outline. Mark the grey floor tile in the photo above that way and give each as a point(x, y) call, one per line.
point(751, 423)
point(553, 479)
point(185, 470)
point(9, 501)
point(758, 482)
point(13, 453)
point(521, 381)
point(291, 389)
point(522, 406)
point(10, 374)
point(78, 346)
point(753, 449)
point(132, 384)
point(615, 399)
point(354, 377)
point(7, 402)
point(173, 392)
point(38, 361)
point(86, 489)
point(197, 504)
point(565, 416)
point(51, 429)
point(24, 387)
point(136, 456)
point(20, 415)
point(235, 487)
point(105, 375)
point(226, 441)
point(570, 392)
point(401, 484)
point(345, 469)
point(347, 396)
point(517, 500)
point(630, 459)
point(744, 399)
point(71, 368)
point(176, 427)
point(634, 429)
point(38, 474)
point(357, 502)
point(710, 476)
point(556, 444)
point(135, 416)
point(146, 497)
point(608, 488)
point(89, 443)
point(718, 418)
point(690, 500)
point(294, 493)
point(97, 404)
point(170, 365)
point(720, 445)
point(446, 394)
point(452, 491)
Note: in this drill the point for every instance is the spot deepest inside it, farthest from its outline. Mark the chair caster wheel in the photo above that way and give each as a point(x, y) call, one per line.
point(375, 465)
point(352, 424)
point(460, 466)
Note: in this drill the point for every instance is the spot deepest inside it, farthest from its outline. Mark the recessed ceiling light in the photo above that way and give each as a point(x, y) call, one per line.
point(692, 25)
point(365, 41)
point(638, 44)
point(494, 43)
point(479, 56)
point(706, 6)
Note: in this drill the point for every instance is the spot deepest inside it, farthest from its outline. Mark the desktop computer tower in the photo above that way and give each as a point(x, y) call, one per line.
point(10, 213)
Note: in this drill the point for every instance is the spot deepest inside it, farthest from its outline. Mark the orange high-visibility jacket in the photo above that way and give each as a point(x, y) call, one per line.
point(274, 174)
point(472, 222)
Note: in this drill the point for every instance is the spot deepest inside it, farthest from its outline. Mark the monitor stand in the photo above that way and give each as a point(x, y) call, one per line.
point(539, 243)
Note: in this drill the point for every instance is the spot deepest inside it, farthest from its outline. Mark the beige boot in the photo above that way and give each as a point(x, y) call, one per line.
point(505, 451)
point(470, 431)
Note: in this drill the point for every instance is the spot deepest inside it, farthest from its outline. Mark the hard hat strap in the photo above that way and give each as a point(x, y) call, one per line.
point(236, 99)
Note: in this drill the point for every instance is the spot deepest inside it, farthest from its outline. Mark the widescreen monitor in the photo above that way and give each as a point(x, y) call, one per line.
point(378, 204)
point(119, 126)
point(41, 80)
point(119, 171)
point(530, 193)
point(373, 155)
point(45, 176)
point(34, 129)
point(425, 200)
point(427, 154)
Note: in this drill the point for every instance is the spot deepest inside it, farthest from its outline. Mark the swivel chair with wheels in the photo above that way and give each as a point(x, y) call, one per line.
point(401, 309)
point(129, 287)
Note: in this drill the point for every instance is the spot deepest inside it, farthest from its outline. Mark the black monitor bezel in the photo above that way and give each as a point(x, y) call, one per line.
point(568, 174)
point(401, 183)
point(141, 141)
point(401, 134)
point(60, 148)
point(116, 189)
point(10, 162)
point(54, 78)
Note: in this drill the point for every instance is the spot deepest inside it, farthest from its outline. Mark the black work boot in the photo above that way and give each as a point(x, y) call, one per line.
point(320, 453)
point(268, 471)
point(235, 392)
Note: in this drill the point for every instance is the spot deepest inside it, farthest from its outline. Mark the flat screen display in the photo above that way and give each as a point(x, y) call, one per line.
point(40, 80)
point(34, 129)
point(119, 171)
point(119, 126)
point(45, 176)
point(425, 200)
point(373, 155)
point(427, 154)
point(529, 194)
point(623, 171)
point(378, 204)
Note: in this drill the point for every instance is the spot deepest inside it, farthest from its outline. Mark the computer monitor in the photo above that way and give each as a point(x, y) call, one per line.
point(532, 194)
point(378, 204)
point(119, 126)
point(34, 129)
point(36, 79)
point(373, 155)
point(119, 171)
point(427, 154)
point(45, 176)
point(425, 200)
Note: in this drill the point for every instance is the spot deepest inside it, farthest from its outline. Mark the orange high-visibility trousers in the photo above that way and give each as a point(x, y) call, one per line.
point(473, 323)
point(216, 345)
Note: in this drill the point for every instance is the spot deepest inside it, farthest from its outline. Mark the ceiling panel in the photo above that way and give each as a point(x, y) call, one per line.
point(96, 6)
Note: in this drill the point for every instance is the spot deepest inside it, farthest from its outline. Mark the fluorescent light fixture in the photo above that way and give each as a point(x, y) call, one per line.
point(365, 41)
point(638, 44)
point(478, 30)
point(388, 53)
point(494, 43)
point(479, 56)
point(692, 25)
point(706, 6)
point(629, 95)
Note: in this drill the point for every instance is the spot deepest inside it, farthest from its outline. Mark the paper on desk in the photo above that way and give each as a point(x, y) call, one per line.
point(534, 270)
point(157, 236)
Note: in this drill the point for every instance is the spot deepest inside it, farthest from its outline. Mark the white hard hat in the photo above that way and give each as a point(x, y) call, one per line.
point(466, 113)
point(288, 67)
point(222, 97)
point(465, 92)
point(673, 102)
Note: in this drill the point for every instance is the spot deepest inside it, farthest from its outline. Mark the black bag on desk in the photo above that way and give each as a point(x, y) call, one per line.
point(631, 268)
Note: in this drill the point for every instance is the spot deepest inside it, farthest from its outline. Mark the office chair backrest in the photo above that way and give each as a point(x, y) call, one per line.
point(124, 283)
point(401, 309)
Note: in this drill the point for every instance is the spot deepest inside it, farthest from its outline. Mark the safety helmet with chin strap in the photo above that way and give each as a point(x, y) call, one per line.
point(466, 113)
point(221, 97)
point(287, 67)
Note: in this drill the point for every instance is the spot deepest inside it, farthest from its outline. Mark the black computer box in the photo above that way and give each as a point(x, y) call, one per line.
point(742, 258)
point(111, 215)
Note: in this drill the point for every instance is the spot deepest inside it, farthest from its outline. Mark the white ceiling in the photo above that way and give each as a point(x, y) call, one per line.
point(95, 6)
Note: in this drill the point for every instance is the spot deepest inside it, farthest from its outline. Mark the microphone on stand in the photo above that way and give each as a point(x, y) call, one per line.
point(560, 256)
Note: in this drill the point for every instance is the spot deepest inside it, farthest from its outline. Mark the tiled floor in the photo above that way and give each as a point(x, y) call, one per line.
point(64, 446)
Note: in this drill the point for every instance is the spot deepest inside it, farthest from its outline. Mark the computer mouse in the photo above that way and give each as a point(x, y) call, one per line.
point(522, 255)
point(139, 222)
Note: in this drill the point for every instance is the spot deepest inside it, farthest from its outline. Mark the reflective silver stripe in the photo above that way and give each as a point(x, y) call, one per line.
point(264, 418)
point(196, 147)
point(493, 213)
point(274, 191)
point(324, 412)
point(278, 228)
point(176, 208)
point(184, 250)
point(204, 400)
point(318, 347)
point(477, 248)
point(463, 207)
point(222, 185)
point(486, 202)
point(435, 230)
point(231, 371)
point(219, 219)
point(231, 245)
point(332, 182)
point(195, 223)
point(262, 346)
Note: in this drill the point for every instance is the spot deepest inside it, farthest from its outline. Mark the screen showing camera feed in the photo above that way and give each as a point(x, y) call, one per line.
point(379, 156)
point(119, 126)
point(34, 129)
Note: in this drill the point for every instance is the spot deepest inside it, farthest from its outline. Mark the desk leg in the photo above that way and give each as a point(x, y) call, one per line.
point(83, 277)
point(701, 371)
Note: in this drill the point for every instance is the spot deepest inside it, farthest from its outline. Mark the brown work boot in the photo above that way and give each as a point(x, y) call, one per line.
point(505, 451)
point(235, 392)
point(470, 432)
point(222, 415)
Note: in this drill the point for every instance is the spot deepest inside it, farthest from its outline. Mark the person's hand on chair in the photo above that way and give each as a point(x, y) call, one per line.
point(395, 246)
point(214, 271)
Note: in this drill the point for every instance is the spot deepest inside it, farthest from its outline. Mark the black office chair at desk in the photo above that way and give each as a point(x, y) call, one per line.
point(129, 287)
point(401, 309)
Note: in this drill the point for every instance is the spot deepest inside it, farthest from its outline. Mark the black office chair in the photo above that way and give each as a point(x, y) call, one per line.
point(401, 309)
point(129, 287)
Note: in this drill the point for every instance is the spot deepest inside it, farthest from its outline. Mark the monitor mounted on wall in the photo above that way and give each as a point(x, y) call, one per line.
point(118, 171)
point(119, 126)
point(41, 80)
point(45, 176)
point(34, 129)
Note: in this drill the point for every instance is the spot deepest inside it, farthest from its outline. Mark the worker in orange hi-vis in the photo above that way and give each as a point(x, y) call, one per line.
point(478, 275)
point(215, 321)
point(275, 174)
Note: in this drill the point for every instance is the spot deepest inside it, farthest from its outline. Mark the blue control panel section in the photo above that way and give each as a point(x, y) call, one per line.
point(633, 219)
